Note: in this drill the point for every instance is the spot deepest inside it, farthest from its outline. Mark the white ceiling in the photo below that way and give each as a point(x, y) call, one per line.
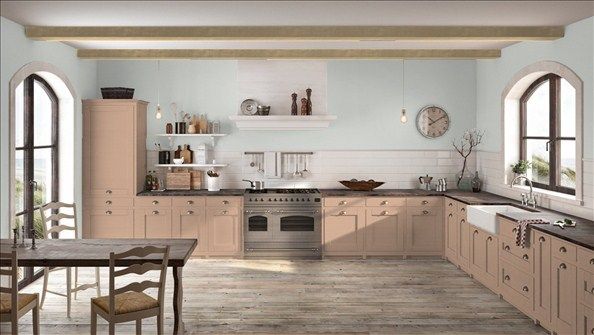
point(295, 13)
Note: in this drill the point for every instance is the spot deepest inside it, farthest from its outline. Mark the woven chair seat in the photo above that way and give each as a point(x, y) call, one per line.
point(23, 300)
point(127, 302)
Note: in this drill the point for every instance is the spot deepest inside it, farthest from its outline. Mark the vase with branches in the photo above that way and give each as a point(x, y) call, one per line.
point(465, 145)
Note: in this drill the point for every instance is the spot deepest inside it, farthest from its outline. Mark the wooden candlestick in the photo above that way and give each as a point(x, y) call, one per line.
point(294, 104)
point(309, 108)
point(303, 106)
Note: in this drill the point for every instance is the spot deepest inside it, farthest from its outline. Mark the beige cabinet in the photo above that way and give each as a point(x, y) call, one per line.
point(484, 257)
point(343, 231)
point(542, 278)
point(190, 222)
point(585, 320)
point(564, 296)
point(224, 230)
point(463, 242)
point(109, 223)
point(452, 237)
point(156, 222)
point(424, 228)
point(384, 230)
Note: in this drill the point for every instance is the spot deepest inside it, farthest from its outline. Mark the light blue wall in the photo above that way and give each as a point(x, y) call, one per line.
point(365, 95)
point(575, 51)
point(16, 51)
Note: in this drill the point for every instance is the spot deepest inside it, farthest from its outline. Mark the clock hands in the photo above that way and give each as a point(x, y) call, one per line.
point(436, 120)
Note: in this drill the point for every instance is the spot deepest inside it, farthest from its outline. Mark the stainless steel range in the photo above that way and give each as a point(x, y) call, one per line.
point(282, 223)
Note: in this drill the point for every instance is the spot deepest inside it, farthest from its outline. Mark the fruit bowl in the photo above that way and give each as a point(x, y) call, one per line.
point(361, 185)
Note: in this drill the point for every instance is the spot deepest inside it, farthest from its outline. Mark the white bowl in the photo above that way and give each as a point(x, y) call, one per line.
point(178, 161)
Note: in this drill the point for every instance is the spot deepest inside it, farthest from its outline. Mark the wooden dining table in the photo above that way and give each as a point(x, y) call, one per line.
point(95, 253)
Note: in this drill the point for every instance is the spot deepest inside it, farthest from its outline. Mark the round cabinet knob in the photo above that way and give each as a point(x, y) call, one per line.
point(108, 212)
point(506, 277)
point(384, 213)
point(225, 202)
point(592, 261)
point(463, 209)
point(542, 239)
point(450, 215)
point(108, 202)
point(155, 202)
point(425, 212)
point(525, 289)
point(450, 204)
point(155, 212)
point(514, 230)
point(562, 249)
point(275, 199)
point(384, 202)
point(191, 202)
point(506, 248)
point(424, 202)
point(108, 191)
point(489, 238)
point(525, 257)
point(592, 331)
point(342, 202)
point(224, 212)
point(475, 232)
point(562, 266)
point(190, 212)
point(281, 199)
point(342, 213)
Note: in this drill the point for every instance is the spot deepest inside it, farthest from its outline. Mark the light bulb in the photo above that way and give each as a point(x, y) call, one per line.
point(403, 117)
point(158, 112)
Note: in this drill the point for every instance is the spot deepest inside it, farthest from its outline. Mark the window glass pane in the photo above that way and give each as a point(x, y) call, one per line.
point(567, 162)
point(37, 224)
point(537, 111)
point(19, 174)
point(42, 174)
point(537, 154)
point(42, 119)
point(19, 116)
point(567, 109)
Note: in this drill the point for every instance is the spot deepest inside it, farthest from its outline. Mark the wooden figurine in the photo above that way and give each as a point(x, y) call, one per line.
point(303, 106)
point(309, 109)
point(294, 105)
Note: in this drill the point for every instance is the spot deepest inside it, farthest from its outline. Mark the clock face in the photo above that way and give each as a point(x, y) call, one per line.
point(433, 121)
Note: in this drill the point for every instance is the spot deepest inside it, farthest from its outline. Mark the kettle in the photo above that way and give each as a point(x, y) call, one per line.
point(425, 182)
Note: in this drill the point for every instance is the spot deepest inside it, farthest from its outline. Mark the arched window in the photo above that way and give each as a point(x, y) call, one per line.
point(548, 133)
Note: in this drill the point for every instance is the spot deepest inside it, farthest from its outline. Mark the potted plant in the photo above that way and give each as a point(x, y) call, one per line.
point(520, 168)
point(464, 146)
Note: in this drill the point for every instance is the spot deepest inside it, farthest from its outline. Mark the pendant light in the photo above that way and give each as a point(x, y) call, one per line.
point(158, 113)
point(403, 117)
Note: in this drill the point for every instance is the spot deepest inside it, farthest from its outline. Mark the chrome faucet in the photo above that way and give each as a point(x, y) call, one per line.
point(256, 184)
point(527, 199)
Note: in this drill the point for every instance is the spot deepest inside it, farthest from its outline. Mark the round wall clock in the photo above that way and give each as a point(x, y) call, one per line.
point(432, 121)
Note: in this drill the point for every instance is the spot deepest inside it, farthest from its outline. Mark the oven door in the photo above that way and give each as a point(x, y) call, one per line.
point(297, 225)
point(258, 225)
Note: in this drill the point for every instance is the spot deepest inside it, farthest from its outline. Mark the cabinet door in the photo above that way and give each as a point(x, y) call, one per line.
point(452, 237)
point(478, 253)
point(223, 230)
point(110, 223)
point(191, 223)
point(564, 300)
point(585, 320)
point(424, 230)
point(384, 230)
point(464, 243)
point(108, 154)
point(542, 278)
point(492, 259)
point(343, 230)
point(156, 222)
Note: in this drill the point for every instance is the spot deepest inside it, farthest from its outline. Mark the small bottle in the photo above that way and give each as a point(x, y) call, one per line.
point(476, 183)
point(177, 153)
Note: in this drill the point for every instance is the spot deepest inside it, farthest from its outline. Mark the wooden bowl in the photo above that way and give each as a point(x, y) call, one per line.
point(361, 185)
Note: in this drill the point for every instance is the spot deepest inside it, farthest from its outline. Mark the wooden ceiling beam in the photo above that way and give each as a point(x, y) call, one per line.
point(388, 33)
point(287, 53)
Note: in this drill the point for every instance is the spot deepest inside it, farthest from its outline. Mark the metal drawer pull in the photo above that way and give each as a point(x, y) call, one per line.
point(592, 290)
point(155, 212)
point(592, 261)
point(224, 212)
point(450, 215)
point(489, 238)
point(425, 212)
point(225, 202)
point(384, 213)
point(463, 209)
point(514, 230)
point(592, 331)
point(525, 289)
point(450, 204)
point(462, 221)
point(562, 266)
point(108, 212)
point(525, 257)
point(155, 202)
point(542, 239)
point(108, 191)
point(190, 202)
point(475, 231)
point(506, 277)
point(384, 202)
point(342, 202)
point(562, 249)
point(506, 248)
point(108, 202)
point(342, 213)
point(190, 212)
point(424, 202)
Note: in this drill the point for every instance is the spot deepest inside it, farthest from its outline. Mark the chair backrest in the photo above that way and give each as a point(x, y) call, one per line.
point(55, 220)
point(13, 290)
point(139, 269)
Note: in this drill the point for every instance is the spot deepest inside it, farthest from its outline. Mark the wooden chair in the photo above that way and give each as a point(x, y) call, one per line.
point(129, 302)
point(51, 230)
point(10, 297)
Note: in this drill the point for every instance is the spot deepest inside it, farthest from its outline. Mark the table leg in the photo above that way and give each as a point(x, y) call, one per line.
point(178, 298)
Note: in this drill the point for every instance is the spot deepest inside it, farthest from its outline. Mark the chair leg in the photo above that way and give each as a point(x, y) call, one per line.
point(35, 314)
point(160, 324)
point(139, 327)
point(98, 280)
point(14, 326)
point(75, 281)
point(111, 328)
point(93, 321)
point(45, 279)
point(68, 290)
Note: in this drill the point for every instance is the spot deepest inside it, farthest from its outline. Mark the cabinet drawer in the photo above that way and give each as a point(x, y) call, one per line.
point(188, 201)
point(508, 228)
point(518, 256)
point(586, 259)
point(564, 250)
point(387, 211)
point(516, 286)
point(152, 202)
point(224, 210)
point(429, 211)
point(344, 202)
point(424, 201)
point(585, 288)
point(385, 202)
point(223, 201)
point(109, 202)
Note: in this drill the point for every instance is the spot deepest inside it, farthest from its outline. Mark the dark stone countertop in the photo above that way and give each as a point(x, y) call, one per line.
point(468, 198)
point(193, 193)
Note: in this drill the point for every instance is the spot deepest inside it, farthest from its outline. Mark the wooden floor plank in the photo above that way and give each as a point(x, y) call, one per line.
point(374, 296)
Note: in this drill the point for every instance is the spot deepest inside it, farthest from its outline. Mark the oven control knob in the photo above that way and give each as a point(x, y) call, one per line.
point(308, 199)
point(275, 199)
point(269, 199)
point(286, 199)
point(261, 199)
point(250, 200)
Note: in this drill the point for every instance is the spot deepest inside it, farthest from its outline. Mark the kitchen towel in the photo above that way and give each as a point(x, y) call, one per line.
point(522, 231)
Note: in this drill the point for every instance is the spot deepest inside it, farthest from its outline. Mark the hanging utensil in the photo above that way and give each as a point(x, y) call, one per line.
point(297, 173)
point(252, 163)
point(305, 170)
